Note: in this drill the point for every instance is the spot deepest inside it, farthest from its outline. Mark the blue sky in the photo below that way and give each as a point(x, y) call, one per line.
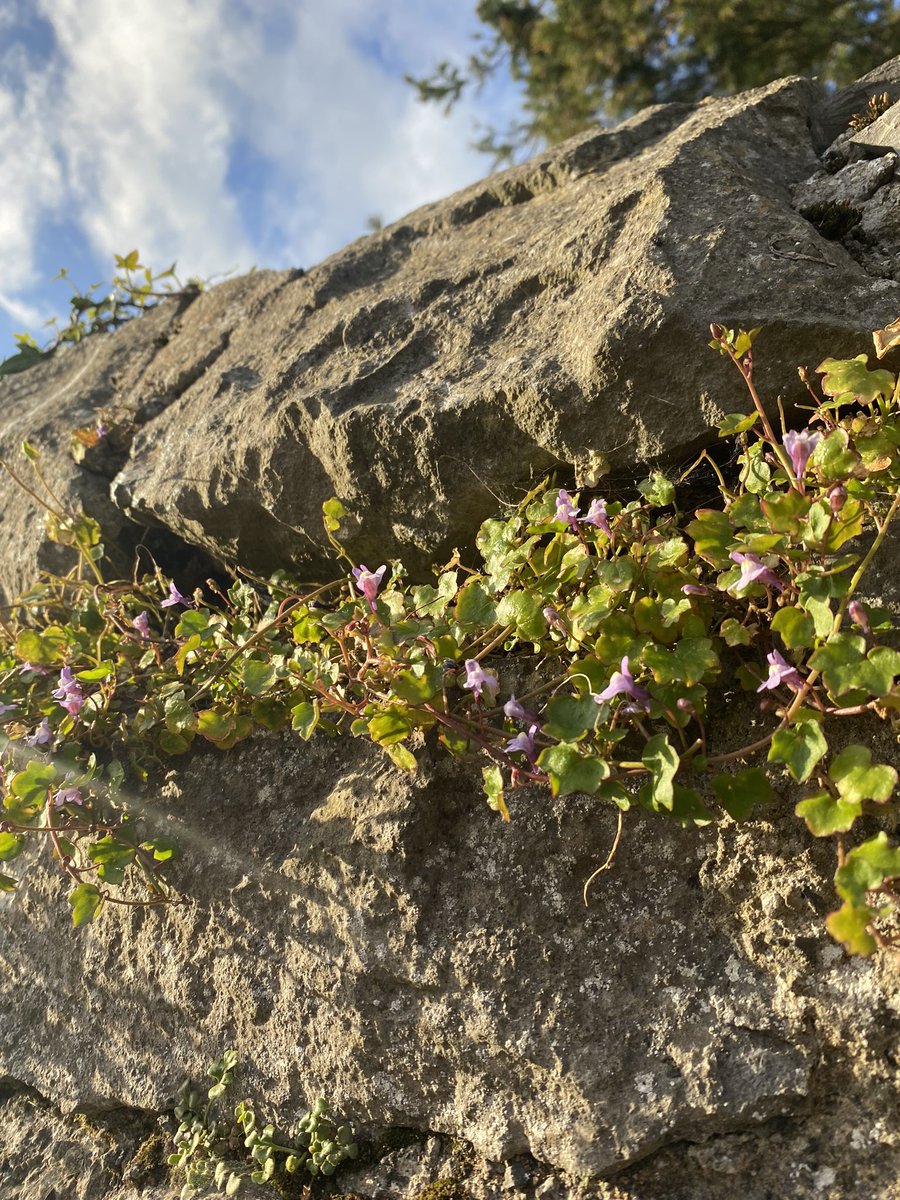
point(219, 133)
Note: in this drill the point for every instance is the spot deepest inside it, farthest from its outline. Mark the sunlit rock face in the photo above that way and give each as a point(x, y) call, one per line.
point(383, 939)
point(553, 316)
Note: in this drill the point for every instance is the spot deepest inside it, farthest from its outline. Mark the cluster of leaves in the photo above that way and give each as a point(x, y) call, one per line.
point(617, 618)
point(577, 60)
point(134, 289)
point(214, 1152)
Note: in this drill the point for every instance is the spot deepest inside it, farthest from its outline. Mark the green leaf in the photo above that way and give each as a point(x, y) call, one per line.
point(85, 901)
point(390, 726)
point(474, 608)
point(26, 357)
point(305, 718)
point(832, 459)
point(493, 789)
point(271, 714)
point(104, 670)
point(402, 757)
point(849, 925)
point(736, 634)
point(658, 491)
point(851, 380)
point(795, 627)
point(738, 793)
point(713, 534)
point(734, 423)
point(180, 717)
point(7, 882)
point(113, 857)
point(570, 717)
point(570, 772)
point(858, 779)
point(161, 847)
point(257, 676)
point(194, 620)
point(418, 685)
point(846, 667)
point(523, 610)
point(784, 510)
point(214, 725)
point(11, 845)
point(175, 743)
point(332, 512)
point(662, 761)
point(690, 661)
point(45, 648)
point(825, 814)
point(28, 791)
point(801, 746)
point(307, 628)
point(866, 867)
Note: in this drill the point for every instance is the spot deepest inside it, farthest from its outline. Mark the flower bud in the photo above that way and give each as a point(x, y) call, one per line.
point(837, 496)
point(859, 616)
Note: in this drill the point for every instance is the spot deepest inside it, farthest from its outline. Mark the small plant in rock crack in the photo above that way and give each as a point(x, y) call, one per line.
point(210, 1149)
point(133, 290)
point(581, 655)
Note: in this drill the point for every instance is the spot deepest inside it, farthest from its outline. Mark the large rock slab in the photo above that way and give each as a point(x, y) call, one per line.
point(387, 942)
point(551, 316)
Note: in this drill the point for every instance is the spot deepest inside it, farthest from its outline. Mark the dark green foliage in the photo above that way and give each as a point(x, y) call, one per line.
point(583, 59)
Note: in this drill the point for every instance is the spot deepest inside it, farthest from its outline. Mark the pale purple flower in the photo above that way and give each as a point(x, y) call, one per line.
point(859, 616)
point(523, 743)
point(67, 795)
point(7, 708)
point(42, 736)
point(142, 624)
point(69, 692)
point(30, 666)
point(753, 570)
point(597, 515)
point(368, 581)
point(566, 511)
point(780, 672)
point(480, 680)
point(799, 447)
point(174, 597)
point(102, 429)
point(622, 684)
point(514, 710)
point(552, 617)
point(695, 589)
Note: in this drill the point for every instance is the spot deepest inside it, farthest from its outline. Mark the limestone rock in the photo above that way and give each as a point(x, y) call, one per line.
point(552, 316)
point(386, 942)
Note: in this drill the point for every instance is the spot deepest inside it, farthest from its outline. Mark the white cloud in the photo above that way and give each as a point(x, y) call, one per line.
point(129, 128)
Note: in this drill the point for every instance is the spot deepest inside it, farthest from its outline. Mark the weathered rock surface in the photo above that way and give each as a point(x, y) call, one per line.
point(554, 315)
point(386, 942)
point(693, 1034)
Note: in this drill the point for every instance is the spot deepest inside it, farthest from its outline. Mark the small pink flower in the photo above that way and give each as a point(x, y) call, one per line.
point(42, 736)
point(799, 447)
point(622, 684)
point(566, 511)
point(69, 692)
point(780, 672)
point(67, 795)
point(480, 680)
point(369, 582)
point(142, 624)
point(597, 515)
point(174, 597)
point(753, 570)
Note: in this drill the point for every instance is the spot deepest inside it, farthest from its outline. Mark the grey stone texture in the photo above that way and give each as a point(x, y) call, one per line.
point(551, 316)
point(383, 939)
